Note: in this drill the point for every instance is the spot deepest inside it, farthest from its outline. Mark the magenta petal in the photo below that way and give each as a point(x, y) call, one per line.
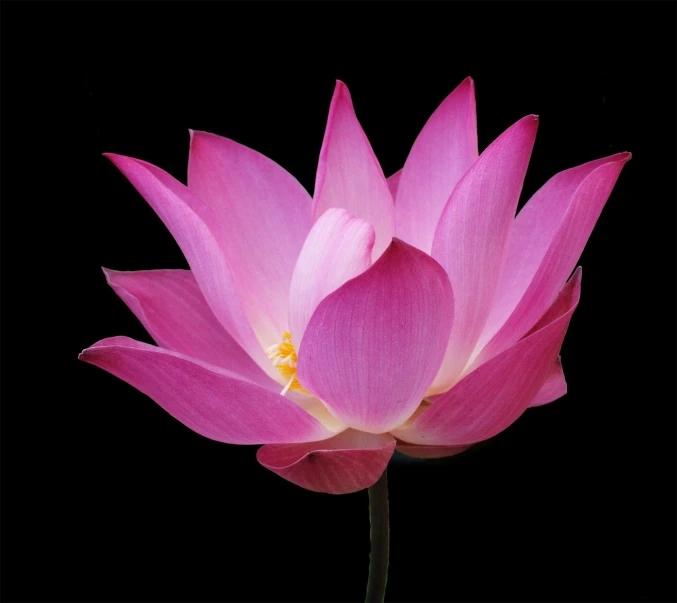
point(555, 386)
point(372, 348)
point(348, 462)
point(210, 400)
point(493, 396)
point(430, 452)
point(337, 249)
point(348, 173)
point(394, 182)
point(265, 216)
point(196, 229)
point(472, 237)
point(173, 310)
point(547, 239)
point(442, 153)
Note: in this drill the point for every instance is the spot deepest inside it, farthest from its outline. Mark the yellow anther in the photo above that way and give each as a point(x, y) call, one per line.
point(283, 356)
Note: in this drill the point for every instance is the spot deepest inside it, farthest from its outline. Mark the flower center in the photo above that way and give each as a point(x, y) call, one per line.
point(283, 356)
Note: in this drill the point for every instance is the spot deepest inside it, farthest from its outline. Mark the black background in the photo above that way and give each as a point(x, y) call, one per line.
point(107, 498)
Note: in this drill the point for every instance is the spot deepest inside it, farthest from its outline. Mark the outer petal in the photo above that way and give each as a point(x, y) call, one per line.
point(472, 236)
point(548, 238)
point(429, 452)
point(442, 153)
point(337, 249)
point(349, 175)
point(555, 385)
point(394, 182)
point(197, 230)
point(265, 216)
point(348, 462)
point(173, 310)
point(372, 348)
point(209, 400)
point(493, 396)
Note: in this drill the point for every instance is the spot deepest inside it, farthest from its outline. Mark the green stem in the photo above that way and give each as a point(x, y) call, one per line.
point(380, 537)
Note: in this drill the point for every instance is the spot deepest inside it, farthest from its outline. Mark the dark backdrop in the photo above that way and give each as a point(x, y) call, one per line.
point(107, 498)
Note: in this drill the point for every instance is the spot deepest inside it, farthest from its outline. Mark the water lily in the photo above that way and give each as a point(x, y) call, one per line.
point(414, 312)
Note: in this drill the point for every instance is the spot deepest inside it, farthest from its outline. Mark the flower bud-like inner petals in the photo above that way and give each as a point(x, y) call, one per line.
point(283, 357)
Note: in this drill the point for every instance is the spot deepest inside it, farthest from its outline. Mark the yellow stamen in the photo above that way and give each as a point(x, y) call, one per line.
point(283, 356)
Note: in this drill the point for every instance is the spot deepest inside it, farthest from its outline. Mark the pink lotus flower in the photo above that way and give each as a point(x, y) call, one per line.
point(415, 312)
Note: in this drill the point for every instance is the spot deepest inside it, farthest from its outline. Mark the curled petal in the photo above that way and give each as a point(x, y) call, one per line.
point(348, 173)
point(348, 462)
point(210, 400)
point(442, 153)
point(493, 396)
point(472, 236)
point(555, 386)
point(372, 348)
point(337, 249)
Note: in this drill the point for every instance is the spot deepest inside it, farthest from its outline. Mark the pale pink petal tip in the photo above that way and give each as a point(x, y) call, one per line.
point(348, 462)
point(338, 248)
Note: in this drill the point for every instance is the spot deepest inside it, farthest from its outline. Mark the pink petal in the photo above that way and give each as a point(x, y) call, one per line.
point(348, 462)
point(429, 452)
point(372, 348)
point(173, 310)
point(349, 175)
point(394, 182)
point(265, 215)
point(210, 400)
point(198, 232)
point(547, 239)
point(442, 153)
point(493, 396)
point(472, 237)
point(337, 249)
point(555, 385)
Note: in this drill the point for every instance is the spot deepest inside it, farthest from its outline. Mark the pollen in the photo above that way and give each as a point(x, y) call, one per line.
point(283, 357)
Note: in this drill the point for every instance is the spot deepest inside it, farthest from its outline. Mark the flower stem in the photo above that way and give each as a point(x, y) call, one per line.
point(380, 537)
